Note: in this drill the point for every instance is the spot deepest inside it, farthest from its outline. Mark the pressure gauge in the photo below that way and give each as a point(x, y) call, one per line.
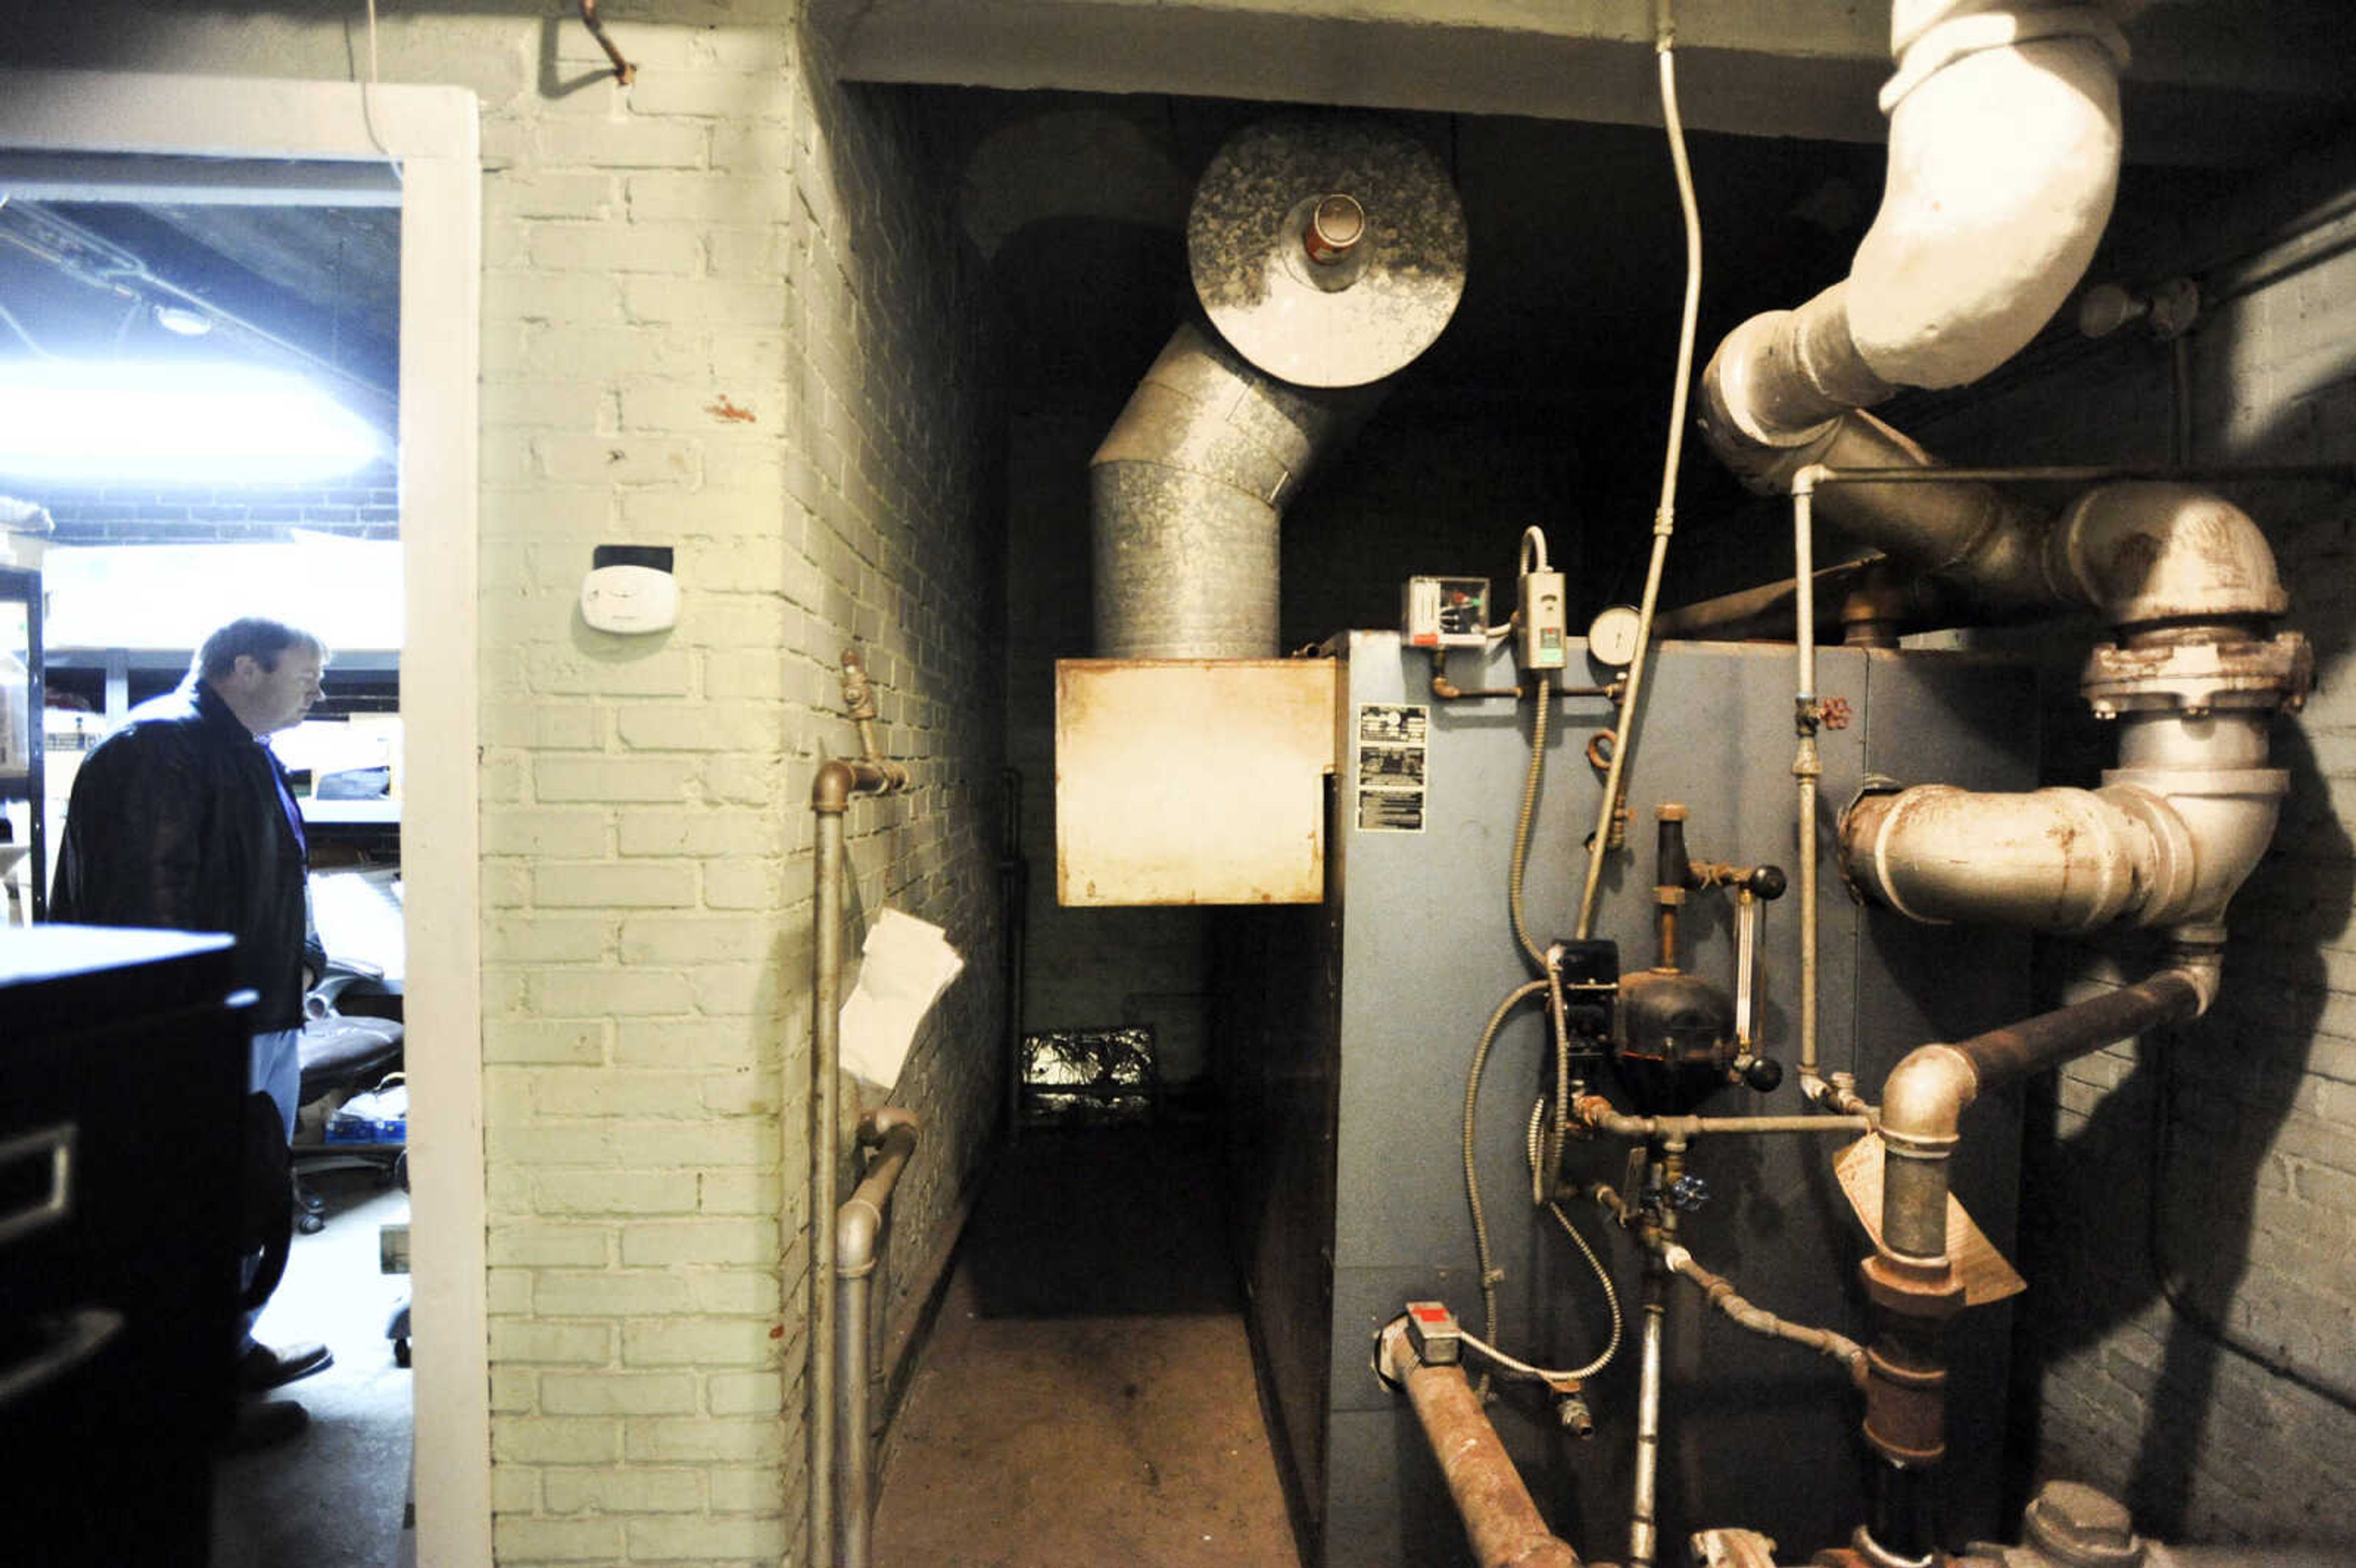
point(1612, 636)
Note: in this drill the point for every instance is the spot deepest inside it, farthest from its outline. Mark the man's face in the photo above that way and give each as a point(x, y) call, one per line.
point(276, 699)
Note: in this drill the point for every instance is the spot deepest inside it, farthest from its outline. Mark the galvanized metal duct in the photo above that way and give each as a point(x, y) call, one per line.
point(1328, 253)
point(1189, 490)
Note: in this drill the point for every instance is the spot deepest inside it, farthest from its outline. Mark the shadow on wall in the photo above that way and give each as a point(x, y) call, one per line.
point(2152, 1207)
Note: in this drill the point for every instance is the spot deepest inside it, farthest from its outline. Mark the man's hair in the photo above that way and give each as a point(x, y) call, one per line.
point(251, 636)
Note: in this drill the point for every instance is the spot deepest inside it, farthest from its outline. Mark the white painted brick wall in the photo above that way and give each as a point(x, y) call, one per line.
point(2259, 1213)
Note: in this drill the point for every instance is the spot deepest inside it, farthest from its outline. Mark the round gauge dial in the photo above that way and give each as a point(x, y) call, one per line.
point(1612, 637)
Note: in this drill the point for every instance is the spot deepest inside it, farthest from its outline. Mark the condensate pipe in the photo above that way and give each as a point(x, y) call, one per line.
point(892, 1133)
point(1502, 1523)
point(839, 781)
point(1759, 1320)
point(1596, 1111)
point(1910, 1277)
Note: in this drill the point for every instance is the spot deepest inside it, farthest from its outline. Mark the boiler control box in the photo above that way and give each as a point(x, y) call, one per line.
point(1447, 611)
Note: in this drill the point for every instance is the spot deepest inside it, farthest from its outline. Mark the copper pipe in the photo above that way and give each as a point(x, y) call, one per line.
point(1502, 1523)
point(624, 71)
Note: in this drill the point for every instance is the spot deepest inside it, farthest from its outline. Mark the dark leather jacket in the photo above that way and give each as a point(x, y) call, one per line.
point(182, 820)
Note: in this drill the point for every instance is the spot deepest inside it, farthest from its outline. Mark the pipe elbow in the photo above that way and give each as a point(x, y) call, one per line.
point(856, 1225)
point(831, 789)
point(2004, 159)
point(2151, 552)
point(1924, 1098)
point(2068, 861)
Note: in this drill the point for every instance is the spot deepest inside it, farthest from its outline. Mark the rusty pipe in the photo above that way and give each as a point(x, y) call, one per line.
point(891, 1132)
point(1722, 1295)
point(624, 71)
point(1502, 1522)
point(1910, 1278)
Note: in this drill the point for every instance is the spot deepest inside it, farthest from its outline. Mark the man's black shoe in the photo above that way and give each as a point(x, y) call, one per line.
point(262, 1368)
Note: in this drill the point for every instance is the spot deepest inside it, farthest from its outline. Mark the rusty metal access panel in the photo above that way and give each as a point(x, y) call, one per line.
point(1192, 781)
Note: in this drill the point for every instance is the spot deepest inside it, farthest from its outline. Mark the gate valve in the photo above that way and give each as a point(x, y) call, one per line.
point(1688, 1193)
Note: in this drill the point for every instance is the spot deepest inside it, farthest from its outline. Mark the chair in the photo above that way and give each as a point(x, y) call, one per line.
point(352, 1039)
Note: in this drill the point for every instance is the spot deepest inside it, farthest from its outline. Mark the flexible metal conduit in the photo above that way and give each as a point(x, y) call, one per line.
point(891, 1132)
point(1502, 1523)
point(838, 783)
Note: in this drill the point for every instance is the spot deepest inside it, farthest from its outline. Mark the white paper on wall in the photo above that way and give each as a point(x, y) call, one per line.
point(907, 964)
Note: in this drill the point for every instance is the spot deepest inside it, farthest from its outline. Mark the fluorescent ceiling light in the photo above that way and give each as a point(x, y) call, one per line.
point(166, 424)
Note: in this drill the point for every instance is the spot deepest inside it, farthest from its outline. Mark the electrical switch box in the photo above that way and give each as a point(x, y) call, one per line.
point(1447, 611)
point(1543, 620)
point(1432, 1329)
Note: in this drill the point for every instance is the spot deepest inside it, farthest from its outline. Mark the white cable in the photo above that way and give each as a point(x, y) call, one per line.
point(1665, 520)
point(1533, 536)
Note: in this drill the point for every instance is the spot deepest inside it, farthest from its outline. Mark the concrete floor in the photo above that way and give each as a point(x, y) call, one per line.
point(1086, 1396)
point(335, 1495)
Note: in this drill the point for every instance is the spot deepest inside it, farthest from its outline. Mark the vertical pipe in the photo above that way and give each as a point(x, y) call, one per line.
point(825, 1049)
point(1805, 767)
point(852, 1391)
point(1641, 1530)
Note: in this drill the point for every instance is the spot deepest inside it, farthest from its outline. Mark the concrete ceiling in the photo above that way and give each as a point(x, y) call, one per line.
point(2213, 81)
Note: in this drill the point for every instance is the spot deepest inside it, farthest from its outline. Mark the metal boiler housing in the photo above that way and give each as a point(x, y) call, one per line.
point(1346, 1170)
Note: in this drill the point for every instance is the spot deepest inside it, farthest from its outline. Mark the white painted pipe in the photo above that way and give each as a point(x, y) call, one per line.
point(2003, 156)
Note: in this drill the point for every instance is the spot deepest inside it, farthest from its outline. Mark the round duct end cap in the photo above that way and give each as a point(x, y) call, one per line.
point(1330, 253)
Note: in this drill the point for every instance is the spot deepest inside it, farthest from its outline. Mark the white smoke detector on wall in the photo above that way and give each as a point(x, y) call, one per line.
point(630, 588)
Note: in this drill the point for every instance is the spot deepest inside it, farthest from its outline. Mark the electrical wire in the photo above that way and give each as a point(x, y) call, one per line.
point(1534, 1146)
point(1490, 1273)
point(1665, 520)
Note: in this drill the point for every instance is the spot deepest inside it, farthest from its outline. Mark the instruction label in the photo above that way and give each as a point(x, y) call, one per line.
point(1391, 753)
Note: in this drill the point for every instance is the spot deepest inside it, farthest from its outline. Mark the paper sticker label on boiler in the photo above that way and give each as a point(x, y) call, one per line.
point(1391, 755)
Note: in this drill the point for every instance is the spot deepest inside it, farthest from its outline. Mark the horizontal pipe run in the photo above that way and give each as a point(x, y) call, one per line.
point(1502, 1523)
point(2328, 473)
point(1597, 1113)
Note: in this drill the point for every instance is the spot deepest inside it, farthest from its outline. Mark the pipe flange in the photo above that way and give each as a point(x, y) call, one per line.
point(2194, 678)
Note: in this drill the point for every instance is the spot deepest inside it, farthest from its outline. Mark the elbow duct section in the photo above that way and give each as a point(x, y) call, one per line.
point(1188, 491)
point(2004, 158)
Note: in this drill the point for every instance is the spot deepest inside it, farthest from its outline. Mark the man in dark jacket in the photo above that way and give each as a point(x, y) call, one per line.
point(183, 820)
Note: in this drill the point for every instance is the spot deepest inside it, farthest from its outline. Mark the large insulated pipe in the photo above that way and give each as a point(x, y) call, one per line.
point(891, 1132)
point(1189, 490)
point(2004, 157)
point(1502, 1523)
